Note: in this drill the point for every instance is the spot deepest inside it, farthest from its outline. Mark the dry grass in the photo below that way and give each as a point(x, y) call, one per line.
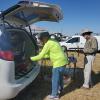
point(40, 88)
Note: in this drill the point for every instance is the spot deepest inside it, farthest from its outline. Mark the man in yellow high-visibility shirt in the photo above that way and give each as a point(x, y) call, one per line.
point(57, 57)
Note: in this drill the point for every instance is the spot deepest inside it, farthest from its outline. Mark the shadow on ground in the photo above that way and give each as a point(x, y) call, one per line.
point(78, 81)
point(96, 78)
point(40, 88)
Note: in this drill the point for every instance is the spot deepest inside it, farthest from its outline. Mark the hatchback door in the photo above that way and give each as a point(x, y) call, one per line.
point(25, 13)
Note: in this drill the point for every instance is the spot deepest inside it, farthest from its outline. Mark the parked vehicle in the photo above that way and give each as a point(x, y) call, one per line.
point(59, 37)
point(17, 45)
point(77, 42)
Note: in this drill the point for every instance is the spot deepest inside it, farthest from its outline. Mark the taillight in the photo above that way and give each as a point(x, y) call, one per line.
point(6, 55)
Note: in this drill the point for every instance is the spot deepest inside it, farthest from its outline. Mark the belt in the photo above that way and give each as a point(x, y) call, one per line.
point(87, 54)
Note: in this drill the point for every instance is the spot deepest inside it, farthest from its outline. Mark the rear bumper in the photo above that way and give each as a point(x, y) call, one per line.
point(9, 91)
point(9, 87)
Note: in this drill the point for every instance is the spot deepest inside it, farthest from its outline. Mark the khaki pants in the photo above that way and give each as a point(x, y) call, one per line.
point(88, 61)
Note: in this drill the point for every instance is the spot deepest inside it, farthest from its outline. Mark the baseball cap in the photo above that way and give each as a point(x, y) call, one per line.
point(43, 34)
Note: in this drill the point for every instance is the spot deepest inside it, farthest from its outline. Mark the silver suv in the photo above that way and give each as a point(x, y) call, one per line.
point(17, 45)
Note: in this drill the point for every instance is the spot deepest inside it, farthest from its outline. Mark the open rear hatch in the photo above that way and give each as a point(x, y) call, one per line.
point(25, 13)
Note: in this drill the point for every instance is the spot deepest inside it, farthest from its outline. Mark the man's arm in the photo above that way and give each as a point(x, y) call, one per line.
point(41, 55)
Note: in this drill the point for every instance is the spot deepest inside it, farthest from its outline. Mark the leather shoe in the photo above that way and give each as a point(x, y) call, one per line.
point(85, 88)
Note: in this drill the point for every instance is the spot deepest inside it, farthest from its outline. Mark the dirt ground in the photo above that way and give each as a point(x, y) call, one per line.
point(40, 88)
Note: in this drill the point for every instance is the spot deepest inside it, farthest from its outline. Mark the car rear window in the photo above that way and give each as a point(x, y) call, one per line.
point(4, 41)
point(19, 42)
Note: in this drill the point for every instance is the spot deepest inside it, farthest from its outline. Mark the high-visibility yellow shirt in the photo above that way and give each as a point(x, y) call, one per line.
point(55, 52)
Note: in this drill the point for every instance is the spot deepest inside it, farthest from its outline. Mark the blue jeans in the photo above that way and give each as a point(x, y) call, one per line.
point(57, 80)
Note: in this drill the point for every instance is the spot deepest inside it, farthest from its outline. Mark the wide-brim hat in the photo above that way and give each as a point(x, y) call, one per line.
point(86, 32)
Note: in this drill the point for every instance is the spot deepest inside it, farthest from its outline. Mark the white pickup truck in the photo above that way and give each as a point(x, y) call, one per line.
point(77, 42)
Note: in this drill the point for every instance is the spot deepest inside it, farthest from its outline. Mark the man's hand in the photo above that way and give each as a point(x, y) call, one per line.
point(31, 59)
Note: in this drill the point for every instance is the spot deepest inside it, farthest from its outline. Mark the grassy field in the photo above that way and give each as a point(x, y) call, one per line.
point(40, 88)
